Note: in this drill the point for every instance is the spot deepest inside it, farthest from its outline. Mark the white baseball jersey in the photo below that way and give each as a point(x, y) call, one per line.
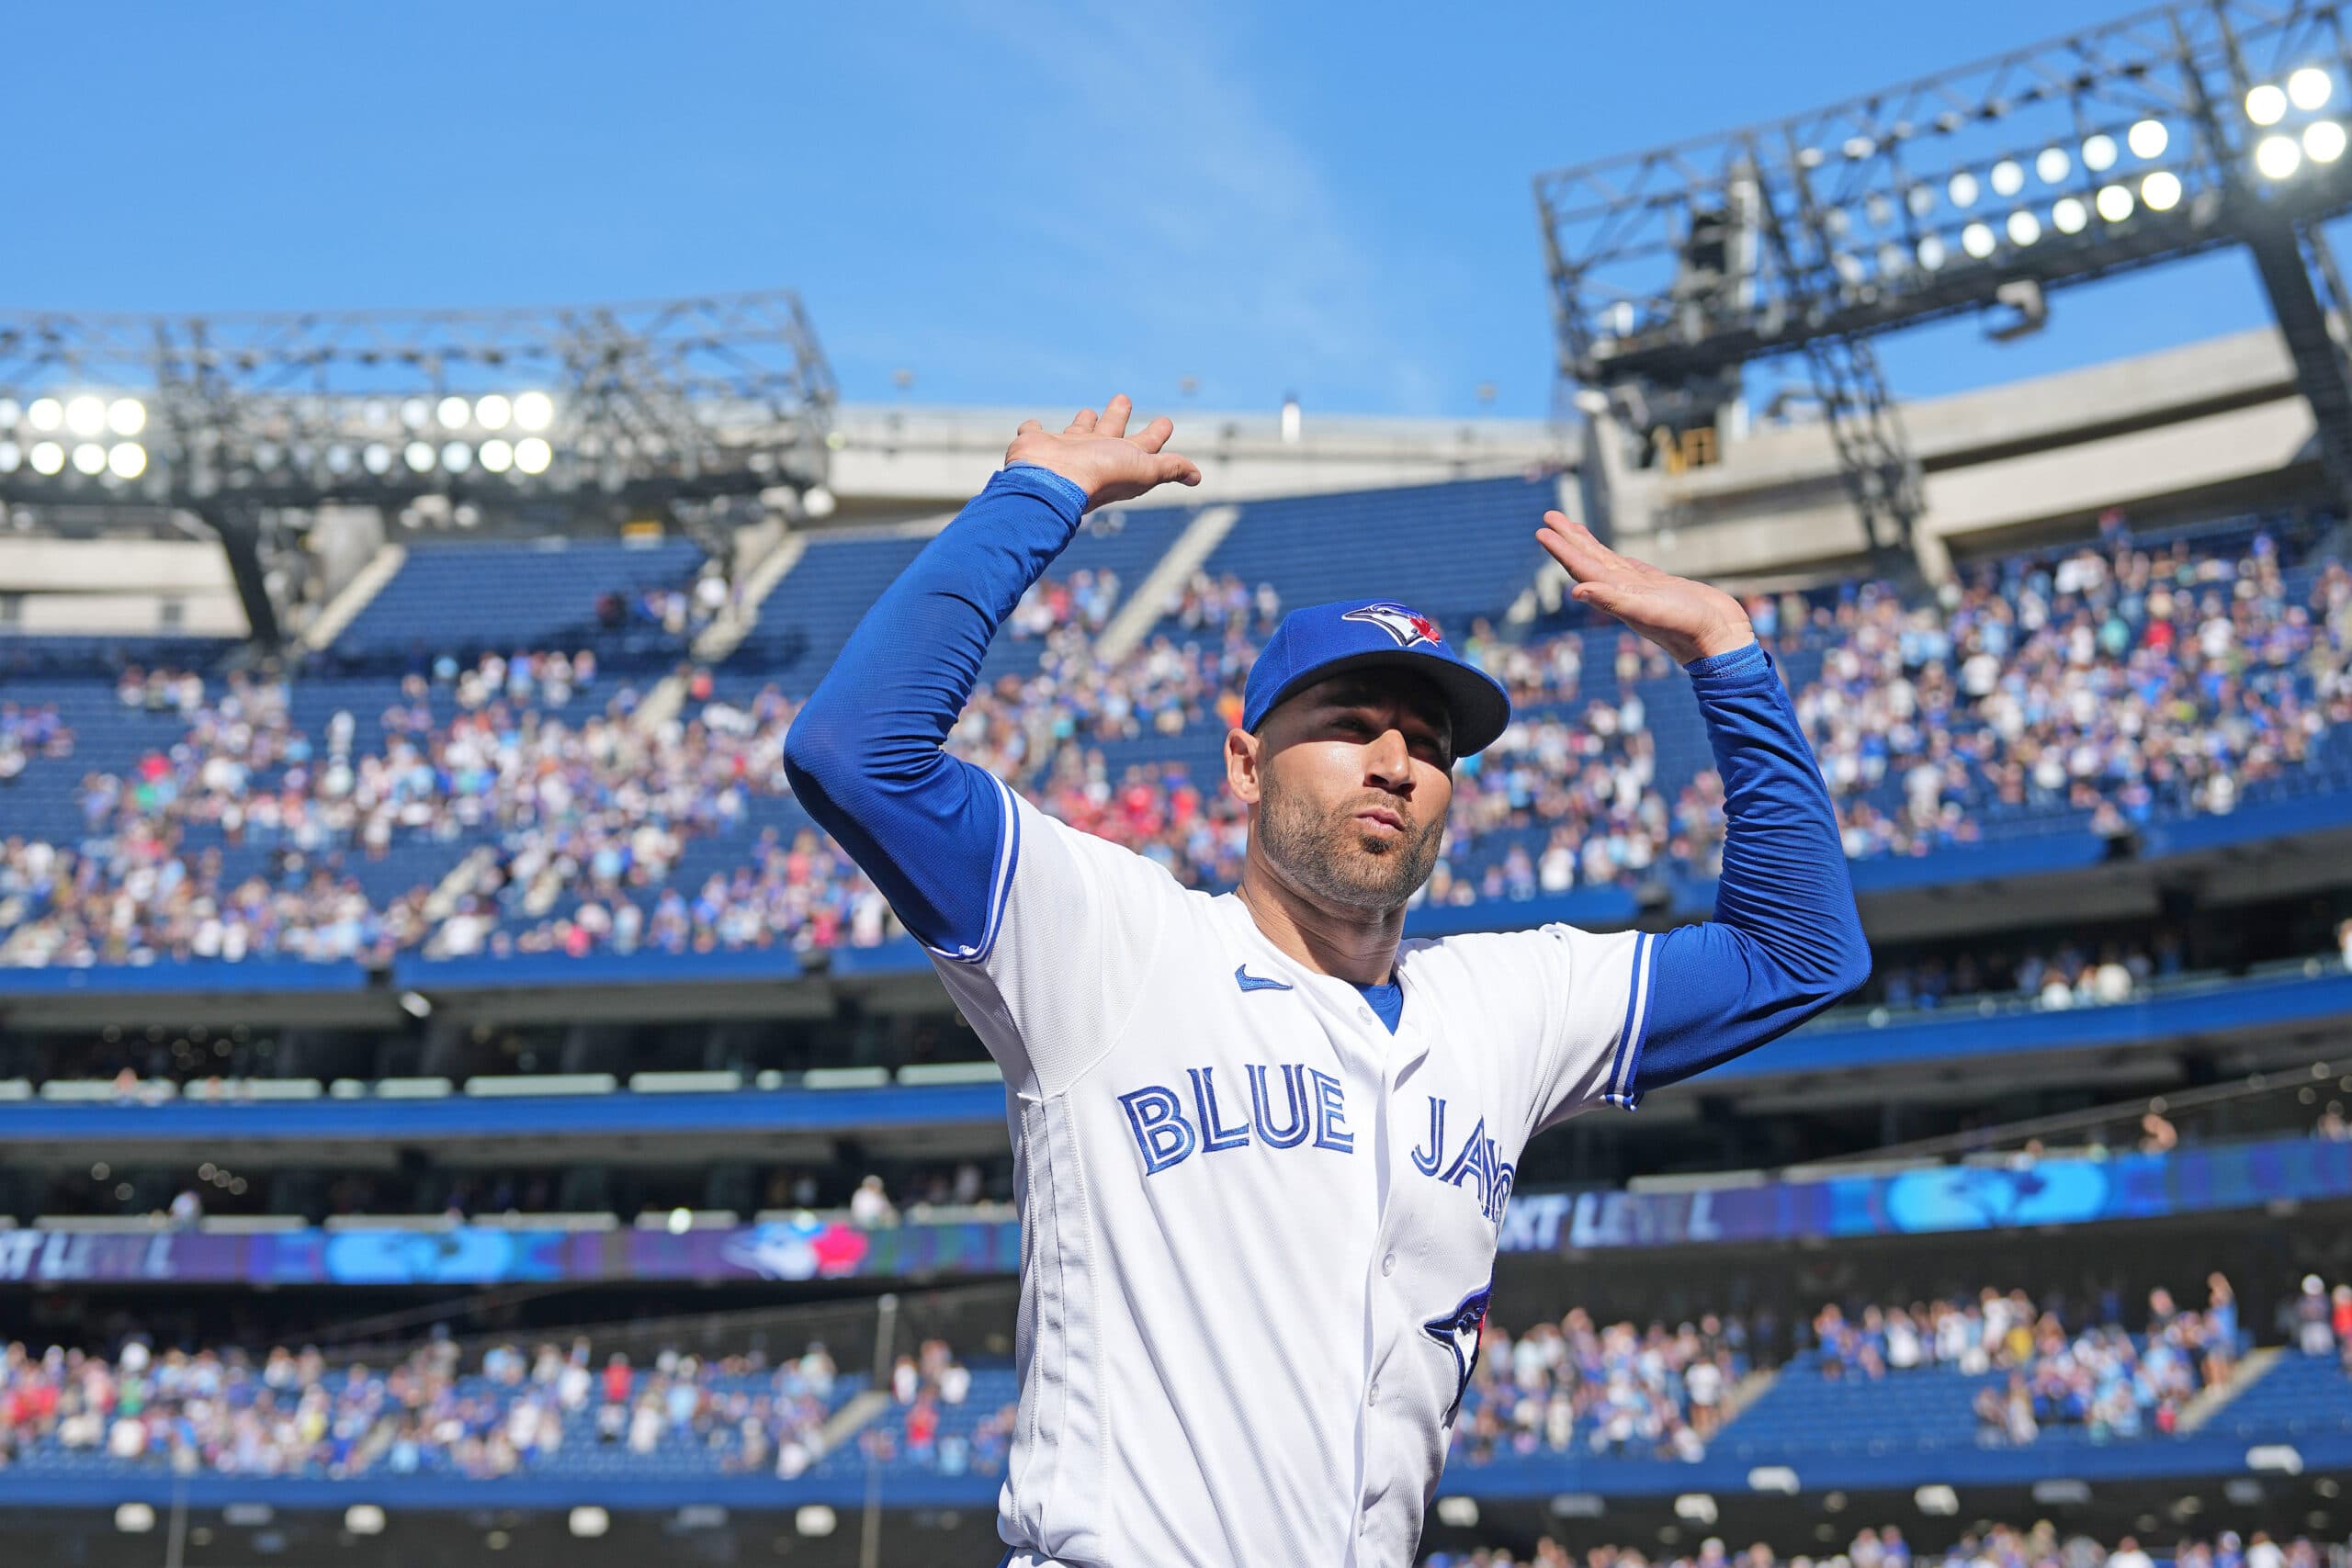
point(1257, 1230)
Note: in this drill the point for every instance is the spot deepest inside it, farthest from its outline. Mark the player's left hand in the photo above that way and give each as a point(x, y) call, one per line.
point(1688, 619)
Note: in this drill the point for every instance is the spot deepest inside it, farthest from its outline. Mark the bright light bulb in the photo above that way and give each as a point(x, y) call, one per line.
point(2277, 157)
point(2323, 142)
point(126, 416)
point(338, 459)
point(1892, 259)
point(48, 457)
point(2099, 153)
point(11, 455)
point(1931, 252)
point(2148, 139)
point(2309, 88)
point(2024, 228)
point(2070, 216)
point(1964, 189)
point(2007, 177)
point(453, 412)
point(419, 456)
point(2114, 204)
point(2161, 191)
point(2053, 165)
point(377, 458)
point(1921, 200)
point(9, 412)
point(89, 458)
point(534, 412)
point(128, 460)
point(492, 411)
point(416, 413)
point(47, 414)
point(532, 455)
point(1977, 241)
point(497, 456)
point(457, 456)
point(85, 415)
point(2266, 104)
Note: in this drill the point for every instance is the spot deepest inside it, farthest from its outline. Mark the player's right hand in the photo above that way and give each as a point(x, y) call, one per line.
point(1096, 453)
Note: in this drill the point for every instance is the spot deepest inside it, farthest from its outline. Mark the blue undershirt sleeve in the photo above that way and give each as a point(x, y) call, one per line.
point(1786, 941)
point(936, 834)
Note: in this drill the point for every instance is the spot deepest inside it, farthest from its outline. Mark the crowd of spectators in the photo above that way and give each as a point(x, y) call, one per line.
point(1998, 1546)
point(293, 1412)
point(30, 731)
point(2091, 1374)
point(1573, 1387)
point(2112, 681)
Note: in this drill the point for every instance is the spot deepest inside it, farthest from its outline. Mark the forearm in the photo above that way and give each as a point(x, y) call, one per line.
point(864, 755)
point(1786, 941)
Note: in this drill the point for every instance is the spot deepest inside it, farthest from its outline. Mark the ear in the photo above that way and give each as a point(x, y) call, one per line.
point(1244, 754)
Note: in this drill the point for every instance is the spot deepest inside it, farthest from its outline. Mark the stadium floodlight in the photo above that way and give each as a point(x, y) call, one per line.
point(1977, 241)
point(534, 412)
point(818, 501)
point(2115, 203)
point(10, 412)
point(2007, 177)
point(454, 413)
point(45, 414)
point(126, 416)
point(2323, 142)
point(420, 456)
point(127, 460)
point(1920, 200)
point(2277, 157)
point(493, 411)
point(2148, 139)
point(533, 455)
point(85, 415)
point(2069, 216)
point(457, 456)
point(815, 1519)
point(89, 458)
point(1962, 189)
point(2267, 104)
point(134, 1518)
point(377, 458)
point(339, 459)
point(266, 456)
point(2053, 165)
point(12, 456)
point(415, 414)
point(1931, 252)
point(497, 455)
point(588, 1522)
point(2099, 153)
point(2309, 88)
point(1892, 257)
point(48, 457)
point(2161, 191)
point(2024, 228)
point(364, 1519)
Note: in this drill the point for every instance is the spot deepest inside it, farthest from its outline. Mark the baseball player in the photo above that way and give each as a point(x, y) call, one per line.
point(1263, 1144)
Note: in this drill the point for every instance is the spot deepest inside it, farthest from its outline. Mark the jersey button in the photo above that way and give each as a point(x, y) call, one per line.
point(1389, 1264)
point(1363, 1015)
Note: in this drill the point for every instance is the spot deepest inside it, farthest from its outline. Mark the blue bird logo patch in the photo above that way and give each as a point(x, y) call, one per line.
point(1458, 1331)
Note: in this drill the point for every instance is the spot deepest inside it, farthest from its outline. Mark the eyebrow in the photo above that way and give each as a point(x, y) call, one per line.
point(1359, 695)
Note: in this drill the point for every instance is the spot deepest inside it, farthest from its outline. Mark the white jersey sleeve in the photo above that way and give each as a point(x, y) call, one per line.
point(1571, 1005)
point(1073, 920)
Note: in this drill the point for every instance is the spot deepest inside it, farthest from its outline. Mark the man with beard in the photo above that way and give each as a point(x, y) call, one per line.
point(1263, 1144)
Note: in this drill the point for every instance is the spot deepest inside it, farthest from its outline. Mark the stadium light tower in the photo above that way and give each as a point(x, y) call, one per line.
point(2170, 132)
point(647, 407)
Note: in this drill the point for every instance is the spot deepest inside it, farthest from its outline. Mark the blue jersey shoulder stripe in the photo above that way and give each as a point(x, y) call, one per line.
point(1008, 856)
point(1628, 1056)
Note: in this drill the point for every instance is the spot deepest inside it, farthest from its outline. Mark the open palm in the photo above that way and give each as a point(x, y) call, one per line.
point(1690, 620)
point(1095, 453)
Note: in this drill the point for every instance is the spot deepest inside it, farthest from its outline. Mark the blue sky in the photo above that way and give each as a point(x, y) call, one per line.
point(1019, 204)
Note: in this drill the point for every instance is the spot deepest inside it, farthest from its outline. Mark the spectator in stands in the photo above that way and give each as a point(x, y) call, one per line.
point(870, 1206)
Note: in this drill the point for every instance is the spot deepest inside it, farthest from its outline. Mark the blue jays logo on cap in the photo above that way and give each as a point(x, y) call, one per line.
point(1407, 627)
point(1324, 640)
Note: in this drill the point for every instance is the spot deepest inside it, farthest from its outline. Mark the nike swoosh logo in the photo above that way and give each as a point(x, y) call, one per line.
point(1248, 982)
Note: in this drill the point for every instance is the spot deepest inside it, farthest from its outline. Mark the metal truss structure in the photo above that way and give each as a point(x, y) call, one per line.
point(2170, 132)
point(632, 409)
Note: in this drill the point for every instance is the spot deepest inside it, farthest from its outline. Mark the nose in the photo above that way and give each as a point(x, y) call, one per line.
point(1389, 763)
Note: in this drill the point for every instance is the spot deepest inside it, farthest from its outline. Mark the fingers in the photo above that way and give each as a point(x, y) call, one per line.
point(1081, 423)
point(1155, 435)
point(1175, 468)
point(1030, 428)
point(1114, 416)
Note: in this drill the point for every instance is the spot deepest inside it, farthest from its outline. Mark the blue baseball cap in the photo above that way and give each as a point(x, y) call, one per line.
point(1322, 641)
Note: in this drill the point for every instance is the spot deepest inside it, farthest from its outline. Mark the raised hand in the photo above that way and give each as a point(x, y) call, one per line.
point(1096, 453)
point(1688, 619)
